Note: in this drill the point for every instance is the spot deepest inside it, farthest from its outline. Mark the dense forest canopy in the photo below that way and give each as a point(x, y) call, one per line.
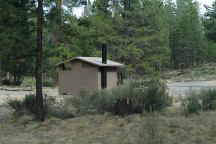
point(148, 36)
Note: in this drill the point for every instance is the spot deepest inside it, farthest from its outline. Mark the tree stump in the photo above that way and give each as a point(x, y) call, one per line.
point(123, 107)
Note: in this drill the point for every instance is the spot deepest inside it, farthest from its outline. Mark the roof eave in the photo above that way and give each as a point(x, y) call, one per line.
point(99, 65)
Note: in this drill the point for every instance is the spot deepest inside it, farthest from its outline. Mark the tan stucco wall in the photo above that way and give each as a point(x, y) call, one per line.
point(112, 78)
point(78, 78)
point(99, 79)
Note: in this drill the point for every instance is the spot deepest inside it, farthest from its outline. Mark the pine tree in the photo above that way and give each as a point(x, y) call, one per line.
point(16, 38)
point(100, 23)
point(188, 34)
point(210, 22)
point(141, 41)
point(38, 76)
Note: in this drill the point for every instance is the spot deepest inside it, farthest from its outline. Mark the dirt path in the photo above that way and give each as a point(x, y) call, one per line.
point(19, 94)
point(179, 88)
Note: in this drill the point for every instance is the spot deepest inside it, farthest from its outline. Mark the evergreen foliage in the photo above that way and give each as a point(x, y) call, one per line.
point(148, 36)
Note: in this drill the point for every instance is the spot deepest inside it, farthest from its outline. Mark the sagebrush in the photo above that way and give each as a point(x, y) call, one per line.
point(145, 95)
point(28, 106)
point(199, 100)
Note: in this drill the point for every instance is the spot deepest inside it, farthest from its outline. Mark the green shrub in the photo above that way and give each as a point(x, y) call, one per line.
point(6, 82)
point(28, 106)
point(148, 95)
point(16, 105)
point(144, 95)
point(52, 108)
point(48, 82)
point(59, 112)
point(28, 82)
point(191, 103)
point(197, 100)
point(155, 96)
point(90, 102)
point(208, 98)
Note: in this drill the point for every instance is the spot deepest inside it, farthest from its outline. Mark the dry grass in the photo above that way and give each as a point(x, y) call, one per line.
point(203, 73)
point(88, 129)
point(108, 129)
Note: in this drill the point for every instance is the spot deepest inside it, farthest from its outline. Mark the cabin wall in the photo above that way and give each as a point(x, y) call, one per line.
point(112, 78)
point(78, 75)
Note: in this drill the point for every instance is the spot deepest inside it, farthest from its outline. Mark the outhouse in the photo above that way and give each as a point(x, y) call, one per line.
point(89, 73)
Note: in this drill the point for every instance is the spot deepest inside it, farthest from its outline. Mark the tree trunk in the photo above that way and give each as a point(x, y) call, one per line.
point(38, 76)
point(174, 57)
point(127, 4)
point(0, 72)
point(57, 23)
point(58, 6)
point(182, 61)
point(197, 59)
point(14, 76)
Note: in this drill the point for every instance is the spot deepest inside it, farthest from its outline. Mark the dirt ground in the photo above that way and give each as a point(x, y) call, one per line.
point(180, 88)
point(19, 93)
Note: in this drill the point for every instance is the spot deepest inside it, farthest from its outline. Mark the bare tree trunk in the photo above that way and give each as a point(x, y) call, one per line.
point(38, 76)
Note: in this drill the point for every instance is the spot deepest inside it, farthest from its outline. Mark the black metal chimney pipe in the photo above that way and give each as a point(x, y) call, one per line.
point(104, 53)
point(103, 68)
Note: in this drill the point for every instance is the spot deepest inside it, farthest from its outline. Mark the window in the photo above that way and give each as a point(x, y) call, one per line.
point(86, 65)
point(66, 67)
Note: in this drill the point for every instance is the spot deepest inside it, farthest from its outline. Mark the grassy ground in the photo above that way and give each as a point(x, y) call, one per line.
point(107, 129)
point(170, 125)
point(205, 72)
